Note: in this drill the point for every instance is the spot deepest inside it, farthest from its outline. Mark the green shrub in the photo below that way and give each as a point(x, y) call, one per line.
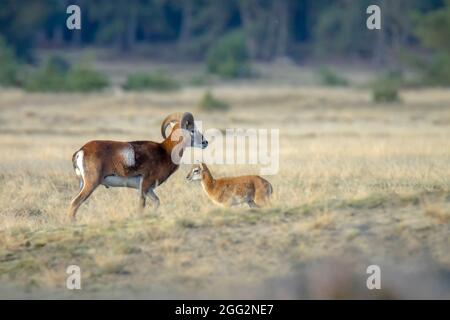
point(48, 78)
point(211, 103)
point(330, 78)
point(386, 88)
point(228, 57)
point(58, 64)
point(83, 79)
point(158, 81)
point(58, 76)
point(437, 71)
point(433, 31)
point(385, 93)
point(10, 68)
point(199, 80)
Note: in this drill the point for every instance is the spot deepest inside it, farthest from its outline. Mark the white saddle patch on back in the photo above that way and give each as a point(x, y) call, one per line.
point(128, 156)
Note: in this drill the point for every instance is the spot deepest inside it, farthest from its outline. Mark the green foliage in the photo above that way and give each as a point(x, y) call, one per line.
point(9, 66)
point(228, 57)
point(84, 79)
point(191, 28)
point(385, 89)
point(199, 80)
point(58, 64)
point(437, 71)
point(329, 77)
point(58, 76)
point(434, 32)
point(340, 30)
point(21, 21)
point(383, 93)
point(158, 81)
point(434, 28)
point(211, 103)
point(48, 78)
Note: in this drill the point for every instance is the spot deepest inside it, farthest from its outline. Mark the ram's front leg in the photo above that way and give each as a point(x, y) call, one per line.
point(146, 189)
point(152, 195)
point(144, 185)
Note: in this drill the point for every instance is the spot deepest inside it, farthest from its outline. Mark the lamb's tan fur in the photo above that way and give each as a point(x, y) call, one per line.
point(253, 190)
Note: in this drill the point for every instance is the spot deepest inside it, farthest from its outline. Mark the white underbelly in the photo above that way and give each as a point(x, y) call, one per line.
point(116, 181)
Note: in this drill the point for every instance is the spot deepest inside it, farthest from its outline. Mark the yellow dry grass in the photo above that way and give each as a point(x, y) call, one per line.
point(350, 175)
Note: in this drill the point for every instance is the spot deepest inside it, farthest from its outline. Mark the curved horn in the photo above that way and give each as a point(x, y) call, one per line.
point(187, 121)
point(174, 117)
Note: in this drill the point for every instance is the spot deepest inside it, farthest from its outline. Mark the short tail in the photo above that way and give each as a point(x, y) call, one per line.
point(77, 162)
point(74, 161)
point(269, 188)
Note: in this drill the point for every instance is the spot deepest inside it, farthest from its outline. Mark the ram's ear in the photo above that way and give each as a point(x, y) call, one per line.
point(187, 121)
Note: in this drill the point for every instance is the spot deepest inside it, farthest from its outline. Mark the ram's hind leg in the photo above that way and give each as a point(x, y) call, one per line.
point(89, 185)
point(87, 168)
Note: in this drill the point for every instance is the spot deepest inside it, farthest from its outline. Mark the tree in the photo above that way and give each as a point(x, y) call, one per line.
point(266, 25)
point(202, 23)
point(434, 32)
point(18, 21)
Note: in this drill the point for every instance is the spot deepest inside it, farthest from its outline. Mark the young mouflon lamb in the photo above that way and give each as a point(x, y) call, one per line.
point(253, 190)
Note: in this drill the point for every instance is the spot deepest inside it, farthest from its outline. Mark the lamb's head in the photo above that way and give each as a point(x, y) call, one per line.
point(196, 172)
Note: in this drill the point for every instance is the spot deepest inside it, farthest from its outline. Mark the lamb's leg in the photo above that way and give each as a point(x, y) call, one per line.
point(262, 195)
point(252, 204)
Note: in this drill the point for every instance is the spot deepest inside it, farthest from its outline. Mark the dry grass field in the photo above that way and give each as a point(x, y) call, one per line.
point(359, 184)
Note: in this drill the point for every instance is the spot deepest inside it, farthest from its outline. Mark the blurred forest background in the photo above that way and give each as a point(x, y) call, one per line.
point(227, 36)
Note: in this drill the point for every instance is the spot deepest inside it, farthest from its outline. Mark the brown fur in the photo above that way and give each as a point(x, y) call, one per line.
point(152, 163)
point(253, 190)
